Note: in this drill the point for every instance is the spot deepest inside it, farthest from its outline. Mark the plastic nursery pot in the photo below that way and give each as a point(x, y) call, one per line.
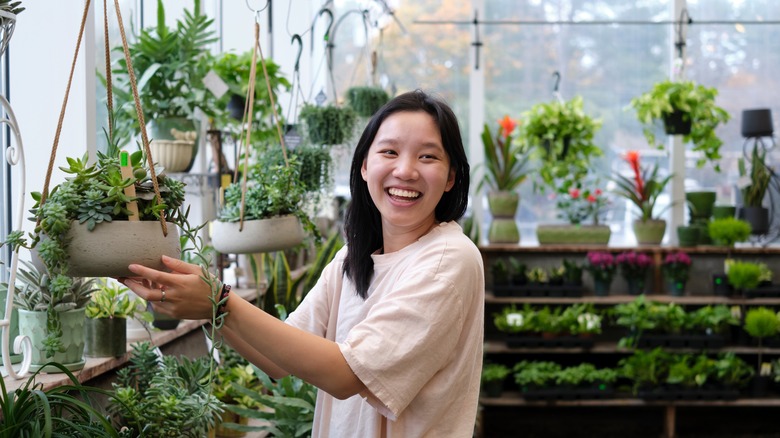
point(105, 337)
point(724, 211)
point(688, 235)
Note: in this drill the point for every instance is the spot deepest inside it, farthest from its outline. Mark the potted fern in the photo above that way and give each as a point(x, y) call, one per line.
point(685, 108)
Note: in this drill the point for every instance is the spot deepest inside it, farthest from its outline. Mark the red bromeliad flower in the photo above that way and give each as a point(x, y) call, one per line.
point(633, 160)
point(507, 125)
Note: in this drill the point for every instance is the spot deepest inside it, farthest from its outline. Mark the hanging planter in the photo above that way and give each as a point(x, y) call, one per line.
point(262, 235)
point(366, 101)
point(174, 143)
point(328, 125)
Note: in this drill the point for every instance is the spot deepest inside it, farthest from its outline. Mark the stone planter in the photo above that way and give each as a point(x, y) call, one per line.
point(688, 235)
point(33, 325)
point(105, 337)
point(649, 232)
point(573, 234)
point(257, 236)
point(503, 206)
point(110, 247)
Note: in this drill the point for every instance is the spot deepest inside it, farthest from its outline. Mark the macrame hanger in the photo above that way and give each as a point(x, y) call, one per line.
point(109, 91)
point(249, 115)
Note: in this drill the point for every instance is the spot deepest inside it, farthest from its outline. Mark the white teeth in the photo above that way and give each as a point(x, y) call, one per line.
point(403, 193)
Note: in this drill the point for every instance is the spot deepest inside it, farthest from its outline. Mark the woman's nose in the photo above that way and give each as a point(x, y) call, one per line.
point(406, 168)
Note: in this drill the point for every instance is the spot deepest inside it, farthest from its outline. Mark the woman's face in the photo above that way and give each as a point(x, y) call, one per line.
point(407, 171)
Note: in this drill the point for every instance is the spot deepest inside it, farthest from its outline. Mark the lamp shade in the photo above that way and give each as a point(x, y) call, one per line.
point(757, 122)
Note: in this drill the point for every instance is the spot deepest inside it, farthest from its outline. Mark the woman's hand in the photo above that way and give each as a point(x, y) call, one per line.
point(181, 293)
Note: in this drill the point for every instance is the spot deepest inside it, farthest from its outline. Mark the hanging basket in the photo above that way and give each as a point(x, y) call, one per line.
point(257, 236)
point(110, 247)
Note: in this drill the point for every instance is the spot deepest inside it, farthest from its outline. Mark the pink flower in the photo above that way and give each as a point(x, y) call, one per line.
point(597, 192)
point(574, 193)
point(591, 199)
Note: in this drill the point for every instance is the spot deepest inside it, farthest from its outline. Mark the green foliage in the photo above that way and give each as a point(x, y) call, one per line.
point(228, 377)
point(38, 291)
point(575, 319)
point(728, 231)
point(505, 161)
point(697, 103)
point(164, 398)
point(10, 6)
point(365, 101)
point(760, 176)
point(585, 374)
point(539, 373)
point(170, 64)
point(560, 135)
point(500, 272)
point(744, 275)
point(61, 411)
point(494, 371)
point(292, 406)
point(111, 300)
point(328, 125)
point(234, 70)
point(762, 322)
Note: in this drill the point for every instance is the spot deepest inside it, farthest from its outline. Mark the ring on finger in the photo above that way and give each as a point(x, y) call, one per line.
point(162, 291)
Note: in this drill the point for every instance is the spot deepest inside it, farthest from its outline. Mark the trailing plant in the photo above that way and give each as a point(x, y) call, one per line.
point(64, 410)
point(365, 101)
point(328, 125)
point(560, 135)
point(505, 159)
point(697, 104)
point(164, 397)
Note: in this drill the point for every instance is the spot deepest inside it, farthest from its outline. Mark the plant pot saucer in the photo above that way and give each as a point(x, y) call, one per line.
point(74, 366)
point(257, 236)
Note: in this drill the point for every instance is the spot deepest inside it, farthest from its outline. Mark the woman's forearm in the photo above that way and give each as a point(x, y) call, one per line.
point(251, 354)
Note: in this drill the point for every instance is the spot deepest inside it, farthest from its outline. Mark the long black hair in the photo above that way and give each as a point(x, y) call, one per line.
point(363, 222)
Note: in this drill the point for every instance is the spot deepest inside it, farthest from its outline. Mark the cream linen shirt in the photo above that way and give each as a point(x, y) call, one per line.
point(415, 342)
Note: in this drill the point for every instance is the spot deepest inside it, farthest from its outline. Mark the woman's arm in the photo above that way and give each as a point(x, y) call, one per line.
point(280, 347)
point(252, 355)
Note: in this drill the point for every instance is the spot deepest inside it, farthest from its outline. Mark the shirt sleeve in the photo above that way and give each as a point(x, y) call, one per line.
point(312, 313)
point(406, 339)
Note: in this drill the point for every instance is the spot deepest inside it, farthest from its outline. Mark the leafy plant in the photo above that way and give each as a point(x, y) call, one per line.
point(585, 374)
point(573, 274)
point(578, 205)
point(365, 101)
point(493, 371)
point(113, 301)
point(645, 368)
point(535, 373)
point(170, 64)
point(744, 275)
point(643, 188)
point(500, 272)
point(601, 265)
point(537, 275)
point(676, 266)
point(560, 135)
point(760, 177)
point(328, 125)
point(761, 323)
point(728, 231)
point(697, 104)
point(505, 159)
point(711, 319)
point(292, 406)
point(164, 397)
point(65, 410)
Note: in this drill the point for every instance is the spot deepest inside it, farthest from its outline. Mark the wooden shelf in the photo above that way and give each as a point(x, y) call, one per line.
point(621, 299)
point(500, 347)
point(714, 250)
point(514, 399)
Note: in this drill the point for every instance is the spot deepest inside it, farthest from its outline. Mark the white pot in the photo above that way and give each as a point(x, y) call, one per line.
point(173, 155)
point(110, 247)
point(263, 235)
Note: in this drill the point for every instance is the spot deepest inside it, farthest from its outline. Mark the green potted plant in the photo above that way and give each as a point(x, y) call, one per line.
point(686, 109)
point(163, 397)
point(761, 323)
point(329, 124)
point(505, 169)
point(365, 101)
point(530, 375)
point(560, 135)
point(752, 209)
point(493, 375)
point(642, 189)
point(234, 371)
point(744, 275)
point(676, 268)
point(171, 64)
point(106, 326)
point(582, 208)
point(52, 314)
point(728, 231)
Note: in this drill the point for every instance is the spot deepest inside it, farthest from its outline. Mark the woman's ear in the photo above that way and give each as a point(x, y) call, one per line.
point(363, 171)
point(450, 181)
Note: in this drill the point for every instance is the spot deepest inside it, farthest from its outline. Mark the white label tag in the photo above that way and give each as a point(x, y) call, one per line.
point(743, 182)
point(215, 84)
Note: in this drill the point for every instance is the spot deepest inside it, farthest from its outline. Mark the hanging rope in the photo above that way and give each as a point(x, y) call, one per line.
point(109, 94)
point(249, 117)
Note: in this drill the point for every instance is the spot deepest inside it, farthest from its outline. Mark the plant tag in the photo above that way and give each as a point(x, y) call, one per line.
point(127, 172)
point(743, 182)
point(215, 84)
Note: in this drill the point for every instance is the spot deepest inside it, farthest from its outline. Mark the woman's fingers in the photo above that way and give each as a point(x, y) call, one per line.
point(180, 266)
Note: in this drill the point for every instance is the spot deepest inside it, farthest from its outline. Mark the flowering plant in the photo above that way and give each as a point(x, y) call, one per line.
point(676, 266)
point(505, 160)
point(577, 205)
point(644, 188)
point(634, 264)
point(601, 265)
